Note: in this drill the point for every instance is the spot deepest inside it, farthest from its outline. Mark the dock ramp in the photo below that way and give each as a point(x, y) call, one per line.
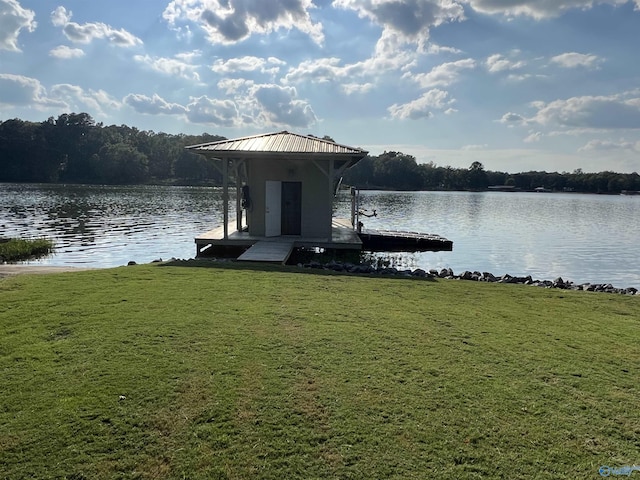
point(268, 251)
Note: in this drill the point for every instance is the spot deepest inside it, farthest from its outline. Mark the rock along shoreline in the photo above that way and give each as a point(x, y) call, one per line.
point(364, 269)
point(447, 273)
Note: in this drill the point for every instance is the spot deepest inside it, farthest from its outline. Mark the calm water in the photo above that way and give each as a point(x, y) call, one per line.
point(584, 238)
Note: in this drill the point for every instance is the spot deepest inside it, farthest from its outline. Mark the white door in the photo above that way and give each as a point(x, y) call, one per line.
point(273, 209)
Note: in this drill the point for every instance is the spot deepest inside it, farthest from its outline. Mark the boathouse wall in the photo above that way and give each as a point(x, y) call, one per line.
point(316, 196)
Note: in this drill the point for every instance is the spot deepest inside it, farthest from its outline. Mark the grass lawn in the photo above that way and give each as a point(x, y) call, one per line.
point(172, 372)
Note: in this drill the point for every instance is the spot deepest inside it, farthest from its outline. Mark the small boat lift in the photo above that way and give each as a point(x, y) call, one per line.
point(392, 240)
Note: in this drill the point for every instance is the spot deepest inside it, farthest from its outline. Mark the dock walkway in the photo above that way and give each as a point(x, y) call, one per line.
point(268, 251)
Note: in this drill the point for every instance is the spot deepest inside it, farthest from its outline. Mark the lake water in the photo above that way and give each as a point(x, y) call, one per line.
point(583, 238)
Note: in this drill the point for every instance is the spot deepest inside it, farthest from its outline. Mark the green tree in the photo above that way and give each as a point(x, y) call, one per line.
point(121, 163)
point(398, 171)
point(477, 177)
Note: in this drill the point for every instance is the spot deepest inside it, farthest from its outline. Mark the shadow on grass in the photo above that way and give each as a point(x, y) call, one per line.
point(231, 264)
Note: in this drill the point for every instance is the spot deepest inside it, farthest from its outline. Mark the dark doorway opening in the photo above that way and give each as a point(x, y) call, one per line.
point(291, 208)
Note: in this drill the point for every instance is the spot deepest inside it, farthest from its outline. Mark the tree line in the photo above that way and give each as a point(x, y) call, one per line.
point(73, 148)
point(398, 171)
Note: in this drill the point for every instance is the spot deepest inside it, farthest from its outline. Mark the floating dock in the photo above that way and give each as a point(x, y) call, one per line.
point(400, 241)
point(343, 236)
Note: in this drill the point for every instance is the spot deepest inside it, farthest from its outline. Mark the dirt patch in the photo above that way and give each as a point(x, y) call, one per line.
point(11, 269)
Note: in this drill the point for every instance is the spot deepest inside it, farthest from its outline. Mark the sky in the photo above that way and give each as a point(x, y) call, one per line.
point(517, 85)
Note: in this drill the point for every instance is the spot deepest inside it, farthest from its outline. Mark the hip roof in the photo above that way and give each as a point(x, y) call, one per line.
point(278, 143)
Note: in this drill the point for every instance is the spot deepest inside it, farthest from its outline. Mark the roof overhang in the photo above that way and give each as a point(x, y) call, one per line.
point(280, 146)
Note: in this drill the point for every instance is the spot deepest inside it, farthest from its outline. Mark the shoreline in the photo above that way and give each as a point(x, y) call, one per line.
point(9, 269)
point(467, 275)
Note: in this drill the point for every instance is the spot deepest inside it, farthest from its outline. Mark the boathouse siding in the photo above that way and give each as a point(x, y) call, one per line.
point(315, 196)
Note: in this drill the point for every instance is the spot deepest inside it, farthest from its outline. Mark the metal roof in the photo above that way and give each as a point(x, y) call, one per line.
point(278, 143)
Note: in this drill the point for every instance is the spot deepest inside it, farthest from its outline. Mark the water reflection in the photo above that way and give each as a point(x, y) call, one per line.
point(584, 238)
point(108, 226)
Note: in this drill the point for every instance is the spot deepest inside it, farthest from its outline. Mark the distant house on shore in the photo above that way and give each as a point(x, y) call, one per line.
point(503, 188)
point(284, 182)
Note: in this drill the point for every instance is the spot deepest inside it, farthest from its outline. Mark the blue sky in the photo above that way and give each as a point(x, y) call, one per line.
point(515, 84)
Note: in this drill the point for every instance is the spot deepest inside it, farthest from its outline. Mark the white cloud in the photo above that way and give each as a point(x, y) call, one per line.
point(533, 137)
point(356, 88)
point(176, 66)
point(154, 105)
point(232, 86)
point(20, 90)
point(574, 60)
point(24, 91)
point(601, 112)
point(64, 52)
point(60, 17)
point(499, 63)
point(231, 21)
point(410, 20)
point(389, 56)
point(331, 71)
point(475, 148)
point(247, 104)
point(442, 75)
point(199, 110)
point(435, 49)
point(512, 77)
point(512, 119)
point(538, 9)
point(88, 32)
point(13, 19)
point(321, 70)
point(422, 107)
point(77, 98)
point(279, 106)
point(608, 145)
point(248, 63)
point(211, 111)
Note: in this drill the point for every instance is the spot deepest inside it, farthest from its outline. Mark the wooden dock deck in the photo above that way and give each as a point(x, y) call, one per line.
point(401, 241)
point(343, 236)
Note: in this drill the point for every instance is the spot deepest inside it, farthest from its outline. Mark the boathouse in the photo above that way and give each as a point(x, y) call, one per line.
point(284, 185)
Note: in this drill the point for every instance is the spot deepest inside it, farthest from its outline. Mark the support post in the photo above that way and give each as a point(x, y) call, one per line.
point(225, 197)
point(353, 207)
point(331, 195)
point(331, 174)
point(238, 197)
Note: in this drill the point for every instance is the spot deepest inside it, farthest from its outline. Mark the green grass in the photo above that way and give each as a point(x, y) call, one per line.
point(170, 372)
point(14, 249)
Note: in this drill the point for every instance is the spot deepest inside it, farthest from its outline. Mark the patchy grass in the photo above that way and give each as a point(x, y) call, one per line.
point(14, 249)
point(233, 372)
